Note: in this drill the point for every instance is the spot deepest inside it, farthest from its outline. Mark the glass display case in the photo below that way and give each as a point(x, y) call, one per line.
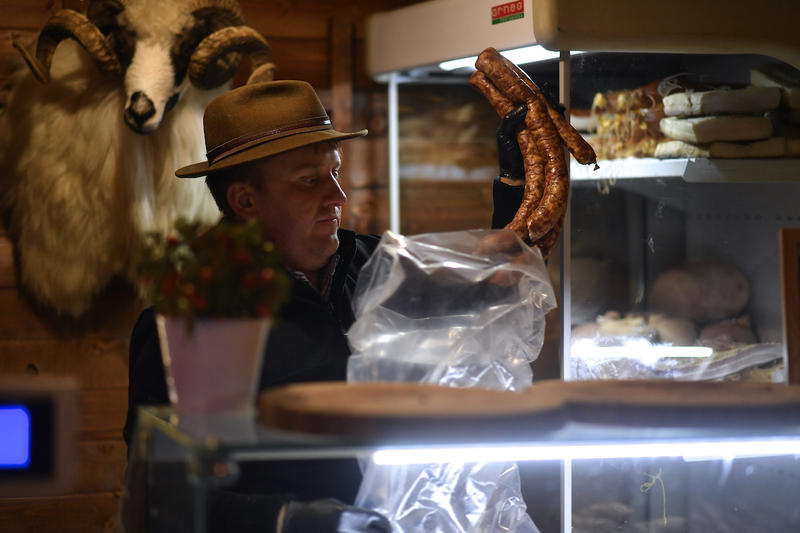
point(642, 229)
point(674, 263)
point(696, 215)
point(649, 475)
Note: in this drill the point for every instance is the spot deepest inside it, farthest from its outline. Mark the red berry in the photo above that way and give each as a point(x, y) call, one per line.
point(200, 303)
point(169, 282)
point(250, 281)
point(206, 274)
point(243, 257)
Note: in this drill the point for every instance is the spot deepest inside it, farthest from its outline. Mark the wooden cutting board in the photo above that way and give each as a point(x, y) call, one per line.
point(400, 410)
point(392, 410)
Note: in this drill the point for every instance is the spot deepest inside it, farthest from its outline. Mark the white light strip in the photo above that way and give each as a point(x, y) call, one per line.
point(588, 350)
point(688, 449)
point(528, 54)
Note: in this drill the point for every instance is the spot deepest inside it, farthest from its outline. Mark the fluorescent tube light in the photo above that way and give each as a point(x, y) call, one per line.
point(639, 349)
point(720, 449)
point(528, 54)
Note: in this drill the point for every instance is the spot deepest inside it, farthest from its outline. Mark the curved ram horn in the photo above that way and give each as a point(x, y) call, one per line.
point(215, 60)
point(221, 13)
point(102, 12)
point(65, 24)
point(38, 70)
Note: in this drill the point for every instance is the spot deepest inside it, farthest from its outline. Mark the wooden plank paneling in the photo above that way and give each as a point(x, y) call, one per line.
point(444, 205)
point(370, 211)
point(368, 158)
point(30, 14)
point(102, 413)
point(10, 59)
point(301, 59)
point(341, 81)
point(97, 362)
point(81, 513)
point(100, 466)
point(8, 275)
point(309, 18)
point(112, 316)
point(341, 72)
point(18, 320)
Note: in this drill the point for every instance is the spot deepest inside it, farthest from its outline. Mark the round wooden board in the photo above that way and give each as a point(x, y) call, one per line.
point(426, 411)
point(394, 410)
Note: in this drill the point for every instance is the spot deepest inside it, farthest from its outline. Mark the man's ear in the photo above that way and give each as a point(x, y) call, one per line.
point(242, 199)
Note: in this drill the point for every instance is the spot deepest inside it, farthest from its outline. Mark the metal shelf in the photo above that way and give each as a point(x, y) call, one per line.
point(693, 170)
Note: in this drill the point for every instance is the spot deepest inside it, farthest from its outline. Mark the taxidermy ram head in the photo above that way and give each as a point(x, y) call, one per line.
point(91, 136)
point(156, 46)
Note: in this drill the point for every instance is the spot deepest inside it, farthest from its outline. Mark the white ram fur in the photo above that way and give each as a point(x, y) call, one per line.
point(80, 188)
point(155, 24)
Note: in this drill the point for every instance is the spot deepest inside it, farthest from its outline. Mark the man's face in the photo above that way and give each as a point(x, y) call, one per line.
point(299, 204)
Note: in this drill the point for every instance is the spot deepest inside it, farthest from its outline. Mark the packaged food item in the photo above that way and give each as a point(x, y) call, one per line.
point(772, 147)
point(699, 130)
point(785, 77)
point(718, 101)
point(627, 122)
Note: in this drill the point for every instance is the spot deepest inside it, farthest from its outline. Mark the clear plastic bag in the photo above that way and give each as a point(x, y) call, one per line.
point(459, 309)
point(462, 309)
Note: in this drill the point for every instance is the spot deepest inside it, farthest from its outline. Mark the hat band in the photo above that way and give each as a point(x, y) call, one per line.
point(244, 142)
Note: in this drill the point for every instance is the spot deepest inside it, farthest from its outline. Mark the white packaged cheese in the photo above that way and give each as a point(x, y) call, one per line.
point(747, 100)
point(772, 147)
point(780, 75)
point(702, 130)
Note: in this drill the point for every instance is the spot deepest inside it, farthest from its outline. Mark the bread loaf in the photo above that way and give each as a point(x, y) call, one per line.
point(727, 334)
point(701, 291)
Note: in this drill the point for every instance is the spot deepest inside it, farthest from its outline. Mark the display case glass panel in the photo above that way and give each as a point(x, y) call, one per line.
point(619, 477)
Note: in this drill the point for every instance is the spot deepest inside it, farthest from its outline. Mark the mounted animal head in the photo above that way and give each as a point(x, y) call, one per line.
point(156, 46)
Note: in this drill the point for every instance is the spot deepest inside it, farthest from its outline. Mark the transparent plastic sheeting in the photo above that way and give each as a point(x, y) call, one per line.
point(462, 309)
point(633, 358)
point(444, 498)
point(459, 309)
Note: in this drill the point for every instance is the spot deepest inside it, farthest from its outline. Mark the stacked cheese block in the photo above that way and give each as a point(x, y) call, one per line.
point(787, 80)
point(730, 123)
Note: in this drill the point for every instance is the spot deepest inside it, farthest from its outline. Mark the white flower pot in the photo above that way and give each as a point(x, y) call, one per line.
point(216, 366)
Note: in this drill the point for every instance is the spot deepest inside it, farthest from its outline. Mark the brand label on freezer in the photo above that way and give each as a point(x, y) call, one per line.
point(508, 11)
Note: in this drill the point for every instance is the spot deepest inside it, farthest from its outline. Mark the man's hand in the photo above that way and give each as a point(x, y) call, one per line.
point(330, 516)
point(509, 157)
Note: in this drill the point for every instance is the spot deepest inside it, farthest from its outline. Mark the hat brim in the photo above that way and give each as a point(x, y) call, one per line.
point(265, 149)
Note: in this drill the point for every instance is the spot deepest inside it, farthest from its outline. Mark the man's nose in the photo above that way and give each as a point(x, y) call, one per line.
point(336, 195)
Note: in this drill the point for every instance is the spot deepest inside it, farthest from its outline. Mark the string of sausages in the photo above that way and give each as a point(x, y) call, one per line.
point(544, 201)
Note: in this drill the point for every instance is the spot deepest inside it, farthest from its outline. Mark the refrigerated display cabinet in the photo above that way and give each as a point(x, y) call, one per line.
point(639, 229)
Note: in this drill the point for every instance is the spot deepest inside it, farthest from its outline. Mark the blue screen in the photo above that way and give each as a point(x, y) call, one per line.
point(15, 436)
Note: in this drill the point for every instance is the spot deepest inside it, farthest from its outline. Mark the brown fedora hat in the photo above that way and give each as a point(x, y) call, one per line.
point(259, 120)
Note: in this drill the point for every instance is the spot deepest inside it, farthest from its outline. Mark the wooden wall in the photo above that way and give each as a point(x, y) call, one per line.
point(314, 40)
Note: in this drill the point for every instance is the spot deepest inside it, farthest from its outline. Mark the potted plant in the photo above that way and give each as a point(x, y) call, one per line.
point(215, 290)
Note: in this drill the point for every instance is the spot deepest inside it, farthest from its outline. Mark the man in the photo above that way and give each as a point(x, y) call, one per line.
point(273, 156)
